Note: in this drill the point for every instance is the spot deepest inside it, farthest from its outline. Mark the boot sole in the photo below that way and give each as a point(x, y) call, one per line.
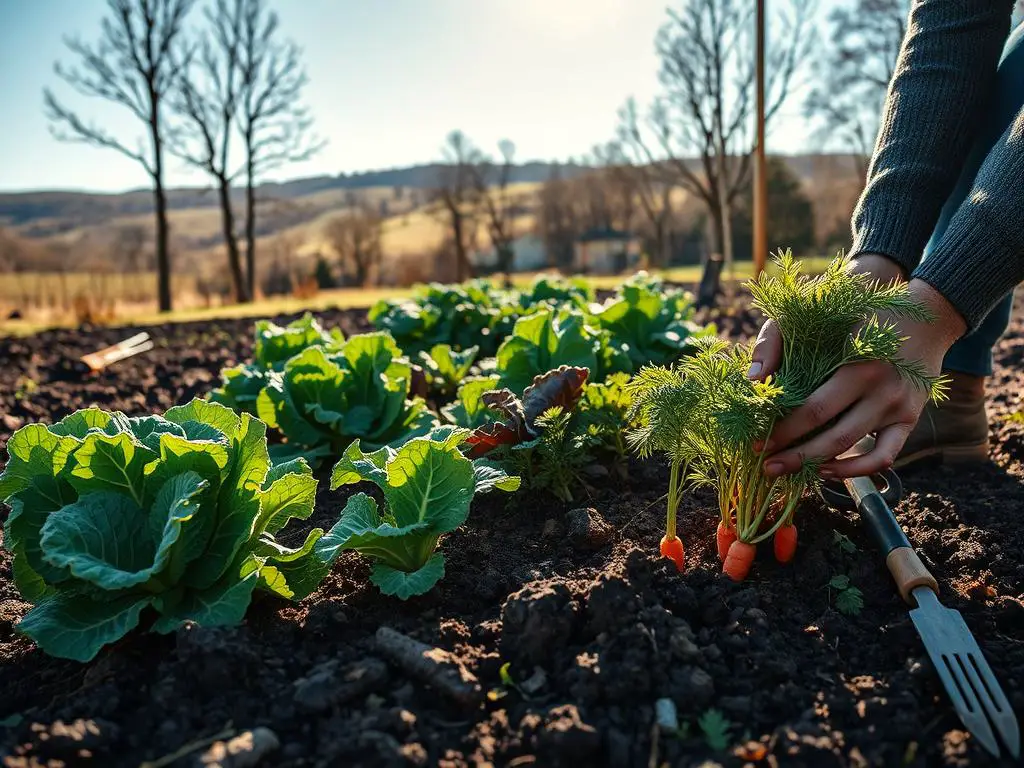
point(949, 454)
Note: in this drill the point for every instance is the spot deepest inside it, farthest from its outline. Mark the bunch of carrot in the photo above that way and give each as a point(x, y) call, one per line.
point(712, 422)
point(707, 417)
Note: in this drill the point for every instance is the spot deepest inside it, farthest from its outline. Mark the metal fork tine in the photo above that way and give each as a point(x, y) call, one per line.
point(979, 700)
point(994, 700)
point(966, 674)
point(965, 700)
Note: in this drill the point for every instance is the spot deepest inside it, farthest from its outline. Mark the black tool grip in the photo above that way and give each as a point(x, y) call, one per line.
point(882, 523)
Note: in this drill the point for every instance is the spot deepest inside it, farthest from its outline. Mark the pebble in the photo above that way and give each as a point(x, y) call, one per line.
point(588, 531)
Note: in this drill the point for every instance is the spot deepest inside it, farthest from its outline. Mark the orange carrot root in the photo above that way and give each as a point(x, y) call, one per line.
point(673, 550)
point(785, 543)
point(738, 560)
point(724, 538)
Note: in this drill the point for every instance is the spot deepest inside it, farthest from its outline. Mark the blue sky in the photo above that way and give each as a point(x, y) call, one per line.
point(388, 80)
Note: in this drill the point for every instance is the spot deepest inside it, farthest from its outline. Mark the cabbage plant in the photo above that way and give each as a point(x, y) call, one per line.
point(274, 346)
point(650, 325)
point(428, 486)
point(322, 400)
point(549, 339)
point(158, 520)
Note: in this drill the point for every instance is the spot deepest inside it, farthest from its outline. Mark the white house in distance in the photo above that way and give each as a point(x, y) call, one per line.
point(606, 252)
point(528, 255)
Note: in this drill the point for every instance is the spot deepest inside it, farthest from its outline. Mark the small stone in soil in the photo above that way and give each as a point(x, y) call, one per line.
point(692, 688)
point(588, 531)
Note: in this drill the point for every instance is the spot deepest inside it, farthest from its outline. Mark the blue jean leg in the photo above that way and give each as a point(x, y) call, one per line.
point(972, 354)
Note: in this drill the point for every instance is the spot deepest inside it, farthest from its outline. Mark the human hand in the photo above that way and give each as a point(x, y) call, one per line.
point(870, 396)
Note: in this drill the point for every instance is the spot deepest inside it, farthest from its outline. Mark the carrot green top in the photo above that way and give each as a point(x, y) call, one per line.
point(937, 113)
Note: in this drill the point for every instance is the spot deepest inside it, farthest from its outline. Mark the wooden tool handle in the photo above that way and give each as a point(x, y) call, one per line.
point(900, 558)
point(909, 572)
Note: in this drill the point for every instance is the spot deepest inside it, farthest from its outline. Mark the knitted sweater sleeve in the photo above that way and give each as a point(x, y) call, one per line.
point(980, 258)
point(936, 100)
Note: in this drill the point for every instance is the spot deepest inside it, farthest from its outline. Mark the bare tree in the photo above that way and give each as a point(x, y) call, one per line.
point(455, 195)
point(856, 71)
point(282, 276)
point(499, 207)
point(649, 179)
point(207, 98)
point(707, 108)
point(276, 129)
point(556, 221)
point(355, 237)
point(609, 191)
point(132, 66)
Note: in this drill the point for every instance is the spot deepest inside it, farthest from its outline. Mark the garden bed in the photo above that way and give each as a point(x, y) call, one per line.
point(572, 589)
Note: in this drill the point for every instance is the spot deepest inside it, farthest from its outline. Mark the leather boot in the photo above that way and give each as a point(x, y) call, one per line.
point(953, 432)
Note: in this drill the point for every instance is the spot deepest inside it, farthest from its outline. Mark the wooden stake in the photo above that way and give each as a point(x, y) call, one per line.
point(760, 245)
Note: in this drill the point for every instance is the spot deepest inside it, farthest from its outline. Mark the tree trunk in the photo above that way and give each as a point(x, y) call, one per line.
point(250, 221)
point(717, 229)
point(463, 269)
point(660, 242)
point(238, 283)
point(163, 255)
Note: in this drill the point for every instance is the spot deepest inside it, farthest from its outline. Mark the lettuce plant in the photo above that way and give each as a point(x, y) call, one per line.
point(551, 338)
point(458, 315)
point(712, 422)
point(469, 409)
point(163, 519)
point(274, 346)
point(323, 401)
point(445, 368)
point(474, 313)
point(428, 486)
point(650, 325)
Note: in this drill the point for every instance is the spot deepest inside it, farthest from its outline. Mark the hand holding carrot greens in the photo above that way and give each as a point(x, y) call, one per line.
point(715, 423)
point(868, 397)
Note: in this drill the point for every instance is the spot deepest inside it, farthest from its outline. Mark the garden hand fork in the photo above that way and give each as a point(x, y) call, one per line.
point(965, 674)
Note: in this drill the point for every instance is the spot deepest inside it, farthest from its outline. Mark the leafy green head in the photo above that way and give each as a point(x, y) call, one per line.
point(321, 402)
point(446, 368)
point(550, 338)
point(428, 486)
point(172, 515)
point(274, 346)
point(648, 324)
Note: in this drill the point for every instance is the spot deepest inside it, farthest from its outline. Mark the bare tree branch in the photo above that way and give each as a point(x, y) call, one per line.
point(706, 110)
point(856, 70)
point(355, 237)
point(276, 129)
point(456, 196)
point(130, 65)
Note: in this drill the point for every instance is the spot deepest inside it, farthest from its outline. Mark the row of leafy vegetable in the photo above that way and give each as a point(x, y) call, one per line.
point(183, 516)
point(117, 521)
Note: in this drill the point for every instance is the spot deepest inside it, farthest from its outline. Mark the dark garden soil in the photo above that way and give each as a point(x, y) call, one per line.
point(572, 590)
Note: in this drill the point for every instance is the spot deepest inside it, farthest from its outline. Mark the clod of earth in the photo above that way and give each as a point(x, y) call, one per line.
point(434, 666)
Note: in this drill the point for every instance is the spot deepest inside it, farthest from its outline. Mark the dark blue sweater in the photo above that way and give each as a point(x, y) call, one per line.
point(936, 108)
